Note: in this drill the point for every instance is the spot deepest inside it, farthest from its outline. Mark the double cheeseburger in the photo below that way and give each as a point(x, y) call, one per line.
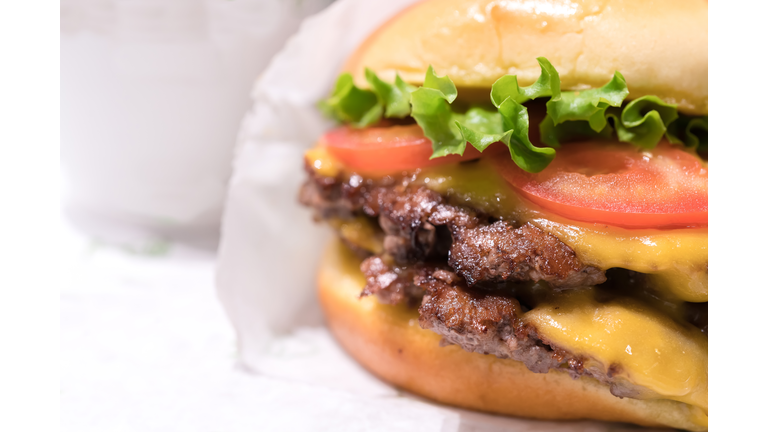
point(519, 190)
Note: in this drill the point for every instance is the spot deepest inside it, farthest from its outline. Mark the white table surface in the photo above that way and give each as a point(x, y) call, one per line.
point(146, 347)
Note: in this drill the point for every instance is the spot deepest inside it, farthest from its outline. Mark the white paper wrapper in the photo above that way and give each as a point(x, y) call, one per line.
point(270, 246)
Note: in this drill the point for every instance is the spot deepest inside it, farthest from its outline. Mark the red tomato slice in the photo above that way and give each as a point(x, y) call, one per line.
point(381, 149)
point(616, 184)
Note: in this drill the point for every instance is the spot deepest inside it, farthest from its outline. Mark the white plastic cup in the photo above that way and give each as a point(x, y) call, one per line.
point(152, 96)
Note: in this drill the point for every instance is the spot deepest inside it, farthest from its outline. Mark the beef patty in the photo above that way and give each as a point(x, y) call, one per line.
point(420, 225)
point(488, 323)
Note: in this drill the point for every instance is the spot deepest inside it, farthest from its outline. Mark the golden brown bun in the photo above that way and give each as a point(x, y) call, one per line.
point(388, 341)
point(659, 46)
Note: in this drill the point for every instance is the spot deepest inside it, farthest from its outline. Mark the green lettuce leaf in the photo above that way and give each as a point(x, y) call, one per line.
point(569, 131)
point(443, 84)
point(351, 104)
point(431, 108)
point(594, 113)
point(450, 131)
point(643, 121)
point(527, 156)
point(548, 84)
point(395, 98)
point(481, 127)
point(587, 105)
point(689, 131)
point(511, 126)
point(598, 113)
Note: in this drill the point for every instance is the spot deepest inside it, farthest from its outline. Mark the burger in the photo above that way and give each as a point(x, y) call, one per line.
point(519, 192)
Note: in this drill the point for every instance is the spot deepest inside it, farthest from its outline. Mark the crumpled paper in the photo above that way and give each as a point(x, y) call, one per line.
point(270, 246)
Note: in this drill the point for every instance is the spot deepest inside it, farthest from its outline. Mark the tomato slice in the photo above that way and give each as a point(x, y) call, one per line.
point(382, 149)
point(616, 184)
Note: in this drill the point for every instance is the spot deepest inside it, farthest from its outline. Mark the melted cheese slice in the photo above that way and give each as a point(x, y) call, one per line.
point(361, 232)
point(649, 348)
point(677, 259)
point(322, 162)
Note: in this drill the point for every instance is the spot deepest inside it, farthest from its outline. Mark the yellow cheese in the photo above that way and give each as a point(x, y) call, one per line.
point(322, 162)
point(650, 349)
point(361, 232)
point(677, 258)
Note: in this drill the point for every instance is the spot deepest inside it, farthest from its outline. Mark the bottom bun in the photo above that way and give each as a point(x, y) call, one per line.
point(389, 342)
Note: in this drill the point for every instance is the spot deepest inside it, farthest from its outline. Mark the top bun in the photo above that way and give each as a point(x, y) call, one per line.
point(659, 46)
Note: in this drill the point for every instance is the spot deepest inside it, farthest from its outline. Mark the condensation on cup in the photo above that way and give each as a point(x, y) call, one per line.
point(152, 96)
